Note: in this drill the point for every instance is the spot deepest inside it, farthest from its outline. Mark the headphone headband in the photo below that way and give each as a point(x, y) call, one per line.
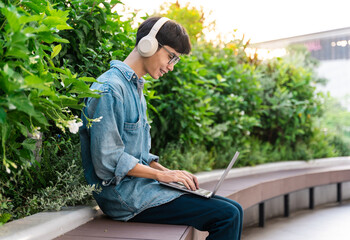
point(156, 27)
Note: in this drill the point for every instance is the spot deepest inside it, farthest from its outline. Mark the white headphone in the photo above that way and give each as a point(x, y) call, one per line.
point(148, 45)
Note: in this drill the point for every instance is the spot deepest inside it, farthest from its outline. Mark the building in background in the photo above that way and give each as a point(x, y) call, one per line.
point(331, 48)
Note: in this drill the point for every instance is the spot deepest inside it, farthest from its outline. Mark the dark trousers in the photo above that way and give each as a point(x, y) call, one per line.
point(221, 217)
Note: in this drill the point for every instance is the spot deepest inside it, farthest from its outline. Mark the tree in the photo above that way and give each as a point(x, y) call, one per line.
point(191, 18)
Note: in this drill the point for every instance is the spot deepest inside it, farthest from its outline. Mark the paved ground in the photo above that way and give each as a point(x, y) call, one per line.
point(328, 222)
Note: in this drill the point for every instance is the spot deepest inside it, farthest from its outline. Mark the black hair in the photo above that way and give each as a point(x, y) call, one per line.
point(171, 34)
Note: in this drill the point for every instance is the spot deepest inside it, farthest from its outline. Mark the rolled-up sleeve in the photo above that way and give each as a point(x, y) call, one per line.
point(107, 147)
point(152, 157)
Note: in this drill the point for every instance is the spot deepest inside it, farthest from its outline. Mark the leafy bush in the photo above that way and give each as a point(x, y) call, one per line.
point(34, 92)
point(69, 189)
point(97, 36)
point(289, 101)
point(341, 144)
point(188, 121)
point(335, 124)
point(190, 158)
point(229, 101)
point(58, 180)
point(51, 52)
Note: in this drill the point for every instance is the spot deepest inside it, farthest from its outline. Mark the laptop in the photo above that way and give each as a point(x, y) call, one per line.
point(203, 192)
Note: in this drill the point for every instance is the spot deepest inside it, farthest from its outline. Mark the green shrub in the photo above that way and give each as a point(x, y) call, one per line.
point(182, 110)
point(48, 60)
point(341, 144)
point(335, 124)
point(34, 92)
point(290, 103)
point(97, 36)
point(190, 158)
point(68, 189)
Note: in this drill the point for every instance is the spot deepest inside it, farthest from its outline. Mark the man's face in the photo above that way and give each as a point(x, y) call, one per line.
point(161, 62)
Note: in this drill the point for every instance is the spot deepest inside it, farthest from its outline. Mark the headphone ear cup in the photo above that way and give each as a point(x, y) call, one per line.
point(147, 46)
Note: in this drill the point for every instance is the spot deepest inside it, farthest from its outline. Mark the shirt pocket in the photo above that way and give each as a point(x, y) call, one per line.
point(133, 137)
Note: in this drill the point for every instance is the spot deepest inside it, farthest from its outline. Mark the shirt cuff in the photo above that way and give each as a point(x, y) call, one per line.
point(125, 164)
point(152, 157)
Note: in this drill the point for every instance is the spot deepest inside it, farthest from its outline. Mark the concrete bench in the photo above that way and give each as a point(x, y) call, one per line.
point(252, 186)
point(264, 191)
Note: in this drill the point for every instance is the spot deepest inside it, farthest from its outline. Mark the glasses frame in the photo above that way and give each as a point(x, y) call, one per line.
point(174, 58)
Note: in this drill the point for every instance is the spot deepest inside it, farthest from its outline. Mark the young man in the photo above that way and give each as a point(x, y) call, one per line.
point(115, 151)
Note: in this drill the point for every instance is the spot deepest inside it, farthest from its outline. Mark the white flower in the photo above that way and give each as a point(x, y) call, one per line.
point(33, 60)
point(73, 125)
point(36, 133)
point(8, 170)
point(242, 113)
point(66, 109)
point(97, 119)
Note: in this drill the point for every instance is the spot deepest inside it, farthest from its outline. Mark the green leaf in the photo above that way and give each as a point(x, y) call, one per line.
point(115, 2)
point(50, 38)
point(47, 92)
point(63, 27)
point(2, 115)
point(12, 17)
point(18, 53)
point(54, 21)
point(37, 8)
point(56, 51)
point(29, 144)
point(23, 129)
point(41, 28)
point(59, 70)
point(35, 82)
point(18, 38)
point(88, 79)
point(4, 218)
point(79, 87)
point(32, 18)
point(22, 104)
point(5, 133)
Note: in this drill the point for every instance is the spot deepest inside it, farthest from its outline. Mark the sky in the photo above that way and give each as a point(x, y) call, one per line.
point(263, 20)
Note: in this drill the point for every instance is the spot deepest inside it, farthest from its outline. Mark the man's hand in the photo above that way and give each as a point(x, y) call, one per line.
point(162, 174)
point(189, 180)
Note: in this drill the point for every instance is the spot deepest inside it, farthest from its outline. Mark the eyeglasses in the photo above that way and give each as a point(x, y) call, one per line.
point(174, 59)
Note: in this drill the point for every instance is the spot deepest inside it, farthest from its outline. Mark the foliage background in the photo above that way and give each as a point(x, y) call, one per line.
point(216, 101)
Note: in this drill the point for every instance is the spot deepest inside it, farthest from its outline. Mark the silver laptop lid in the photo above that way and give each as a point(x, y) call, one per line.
point(225, 173)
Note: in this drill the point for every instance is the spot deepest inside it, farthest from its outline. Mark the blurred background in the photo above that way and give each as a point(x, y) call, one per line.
point(268, 31)
point(322, 26)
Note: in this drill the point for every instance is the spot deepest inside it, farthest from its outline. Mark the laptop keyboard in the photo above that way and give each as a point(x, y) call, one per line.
point(201, 191)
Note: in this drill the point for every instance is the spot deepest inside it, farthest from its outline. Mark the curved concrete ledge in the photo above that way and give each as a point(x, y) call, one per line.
point(48, 225)
point(204, 177)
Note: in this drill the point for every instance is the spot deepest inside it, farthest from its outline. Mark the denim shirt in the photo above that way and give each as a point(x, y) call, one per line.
point(113, 146)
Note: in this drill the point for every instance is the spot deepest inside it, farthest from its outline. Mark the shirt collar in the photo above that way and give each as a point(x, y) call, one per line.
point(128, 73)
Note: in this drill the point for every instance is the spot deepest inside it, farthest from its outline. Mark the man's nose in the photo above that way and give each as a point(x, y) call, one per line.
point(171, 66)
